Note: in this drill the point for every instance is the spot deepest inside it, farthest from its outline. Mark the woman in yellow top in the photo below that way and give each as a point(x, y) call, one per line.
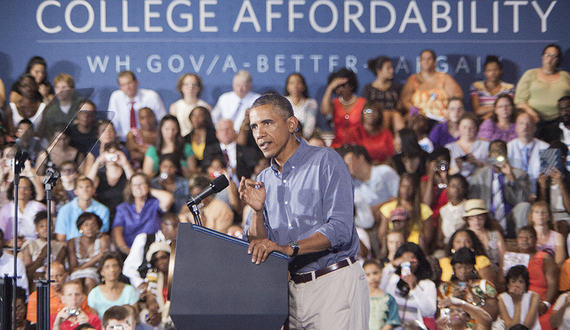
point(203, 132)
point(420, 214)
point(427, 92)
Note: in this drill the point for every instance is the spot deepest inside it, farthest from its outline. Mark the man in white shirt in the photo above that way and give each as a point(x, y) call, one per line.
point(232, 105)
point(523, 152)
point(7, 266)
point(125, 103)
point(562, 130)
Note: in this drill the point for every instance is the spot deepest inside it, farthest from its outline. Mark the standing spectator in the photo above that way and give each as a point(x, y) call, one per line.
point(232, 105)
point(485, 92)
point(140, 213)
point(190, 87)
point(83, 202)
point(501, 123)
point(73, 315)
point(306, 109)
point(125, 103)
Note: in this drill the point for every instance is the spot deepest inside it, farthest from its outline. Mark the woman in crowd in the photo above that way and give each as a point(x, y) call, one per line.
point(410, 285)
point(543, 273)
point(107, 133)
point(501, 124)
point(370, 134)
point(170, 180)
point(485, 92)
point(448, 131)
point(428, 91)
point(547, 240)
point(451, 214)
point(460, 315)
point(468, 153)
point(468, 239)
point(345, 109)
point(410, 157)
point(488, 231)
point(110, 173)
point(420, 225)
point(85, 251)
point(467, 286)
point(28, 207)
point(21, 312)
point(141, 211)
point(27, 106)
point(433, 185)
point(519, 305)
point(305, 108)
point(140, 139)
point(203, 132)
point(538, 90)
point(155, 304)
point(63, 192)
point(383, 307)
point(190, 87)
point(384, 89)
point(169, 142)
point(58, 152)
point(37, 68)
point(111, 291)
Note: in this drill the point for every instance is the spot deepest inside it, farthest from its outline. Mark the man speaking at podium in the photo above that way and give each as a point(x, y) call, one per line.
point(303, 207)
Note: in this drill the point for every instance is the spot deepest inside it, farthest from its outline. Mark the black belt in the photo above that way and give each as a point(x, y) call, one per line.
point(307, 277)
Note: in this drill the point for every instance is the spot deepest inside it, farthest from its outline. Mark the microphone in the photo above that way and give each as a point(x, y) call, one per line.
point(218, 184)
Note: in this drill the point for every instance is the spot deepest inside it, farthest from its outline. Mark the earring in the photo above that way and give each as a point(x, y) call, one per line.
point(81, 231)
point(452, 251)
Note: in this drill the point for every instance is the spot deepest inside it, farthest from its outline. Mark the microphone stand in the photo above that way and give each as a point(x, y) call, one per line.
point(195, 212)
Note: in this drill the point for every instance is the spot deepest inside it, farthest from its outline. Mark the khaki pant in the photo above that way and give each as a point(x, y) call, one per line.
point(338, 300)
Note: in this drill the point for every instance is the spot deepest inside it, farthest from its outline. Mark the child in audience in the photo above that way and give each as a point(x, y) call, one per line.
point(383, 307)
point(394, 238)
point(73, 315)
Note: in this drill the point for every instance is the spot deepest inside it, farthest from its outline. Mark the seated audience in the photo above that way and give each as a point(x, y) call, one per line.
point(190, 87)
point(451, 214)
point(501, 124)
point(524, 151)
point(21, 309)
point(136, 266)
point(433, 186)
point(27, 107)
point(305, 109)
point(241, 95)
point(83, 202)
point(468, 153)
point(489, 232)
point(169, 141)
point(133, 318)
point(63, 191)
point(547, 240)
point(504, 190)
point(57, 152)
point(111, 291)
point(560, 317)
point(83, 132)
point(543, 273)
point(37, 67)
point(140, 139)
point(460, 313)
point(73, 315)
point(448, 131)
point(171, 180)
point(140, 213)
point(560, 131)
point(410, 157)
point(468, 239)
point(394, 239)
point(119, 317)
point(519, 305)
point(383, 307)
point(420, 125)
point(384, 89)
point(107, 134)
point(85, 251)
point(485, 92)
point(26, 139)
point(203, 133)
point(7, 265)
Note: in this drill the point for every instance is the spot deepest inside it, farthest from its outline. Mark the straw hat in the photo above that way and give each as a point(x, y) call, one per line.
point(474, 207)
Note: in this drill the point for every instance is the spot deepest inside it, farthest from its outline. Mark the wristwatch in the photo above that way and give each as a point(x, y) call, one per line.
point(295, 246)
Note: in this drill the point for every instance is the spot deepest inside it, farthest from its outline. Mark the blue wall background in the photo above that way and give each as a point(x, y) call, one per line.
point(159, 40)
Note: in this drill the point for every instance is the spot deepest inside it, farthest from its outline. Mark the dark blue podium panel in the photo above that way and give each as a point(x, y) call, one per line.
point(216, 286)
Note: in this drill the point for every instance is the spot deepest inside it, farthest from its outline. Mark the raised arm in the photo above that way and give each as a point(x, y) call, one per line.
point(165, 199)
point(327, 107)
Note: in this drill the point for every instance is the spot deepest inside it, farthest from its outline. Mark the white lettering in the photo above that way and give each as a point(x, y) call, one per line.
point(402, 65)
point(313, 21)
point(157, 67)
point(333, 62)
point(495, 16)
point(207, 14)
point(474, 28)
point(262, 63)
point(93, 64)
point(316, 59)
point(293, 14)
point(90, 19)
point(442, 65)
point(198, 65)
point(351, 63)
point(104, 27)
point(279, 63)
point(270, 15)
point(246, 6)
point(417, 19)
point(391, 10)
point(462, 65)
point(229, 63)
point(460, 26)
point(180, 60)
point(353, 17)
point(39, 16)
point(126, 27)
point(437, 16)
point(126, 63)
point(151, 14)
point(297, 59)
point(515, 5)
point(187, 16)
point(212, 65)
point(543, 16)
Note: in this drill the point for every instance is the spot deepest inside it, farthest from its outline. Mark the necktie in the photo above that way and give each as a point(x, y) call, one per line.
point(498, 203)
point(133, 115)
point(226, 157)
point(526, 156)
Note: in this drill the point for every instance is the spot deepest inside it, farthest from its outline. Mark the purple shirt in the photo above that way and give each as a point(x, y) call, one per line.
point(133, 223)
point(440, 136)
point(490, 131)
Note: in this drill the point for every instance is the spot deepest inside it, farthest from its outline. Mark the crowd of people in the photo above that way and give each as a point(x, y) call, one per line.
point(463, 217)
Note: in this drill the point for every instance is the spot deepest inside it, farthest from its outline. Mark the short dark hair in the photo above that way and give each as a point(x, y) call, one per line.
point(112, 145)
point(86, 216)
point(283, 105)
point(356, 150)
point(377, 63)
point(41, 215)
point(493, 59)
point(173, 159)
point(118, 313)
point(107, 256)
point(518, 271)
point(371, 262)
point(440, 152)
point(559, 145)
point(345, 73)
point(429, 51)
point(199, 180)
point(559, 52)
point(85, 326)
point(126, 73)
point(410, 146)
point(21, 294)
point(528, 229)
point(502, 143)
point(463, 256)
point(564, 98)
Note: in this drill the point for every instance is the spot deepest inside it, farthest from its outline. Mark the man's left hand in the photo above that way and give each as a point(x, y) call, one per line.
point(260, 249)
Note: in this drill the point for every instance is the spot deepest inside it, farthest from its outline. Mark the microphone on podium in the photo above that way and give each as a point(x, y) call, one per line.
point(218, 184)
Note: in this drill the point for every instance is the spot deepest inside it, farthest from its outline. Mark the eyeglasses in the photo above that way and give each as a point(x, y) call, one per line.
point(367, 111)
point(190, 85)
point(551, 55)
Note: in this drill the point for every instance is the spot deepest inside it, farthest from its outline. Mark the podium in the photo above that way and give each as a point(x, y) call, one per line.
point(216, 286)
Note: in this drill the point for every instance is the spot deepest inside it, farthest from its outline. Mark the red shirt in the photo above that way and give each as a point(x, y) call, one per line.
point(67, 325)
point(343, 119)
point(380, 146)
point(438, 203)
